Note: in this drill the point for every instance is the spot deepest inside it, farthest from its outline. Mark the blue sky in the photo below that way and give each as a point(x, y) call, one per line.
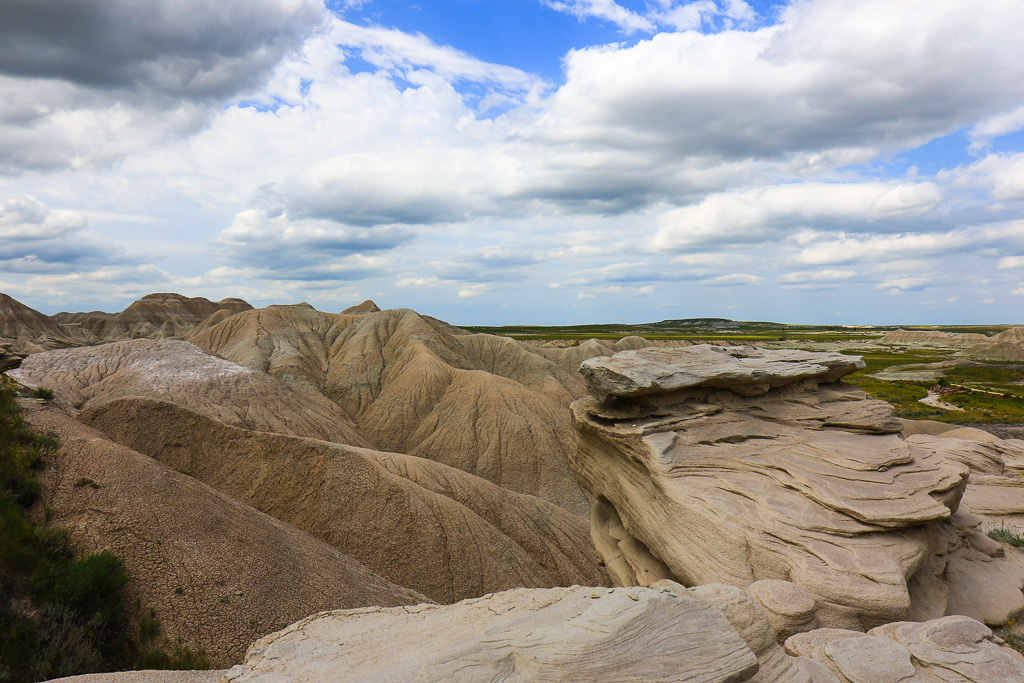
point(548, 161)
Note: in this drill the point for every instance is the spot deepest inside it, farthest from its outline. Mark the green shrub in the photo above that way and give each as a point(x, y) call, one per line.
point(59, 615)
point(1014, 640)
point(43, 393)
point(1004, 535)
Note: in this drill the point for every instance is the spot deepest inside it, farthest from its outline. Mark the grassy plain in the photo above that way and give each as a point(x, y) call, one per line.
point(992, 392)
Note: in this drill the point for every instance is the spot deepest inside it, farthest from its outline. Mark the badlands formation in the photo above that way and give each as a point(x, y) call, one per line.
point(377, 495)
point(1007, 346)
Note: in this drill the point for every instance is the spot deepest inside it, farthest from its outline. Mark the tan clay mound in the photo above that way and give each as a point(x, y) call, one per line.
point(480, 403)
point(933, 338)
point(1014, 335)
point(292, 343)
point(217, 573)
point(361, 309)
point(157, 308)
point(156, 316)
point(1012, 352)
point(25, 327)
point(418, 523)
point(179, 372)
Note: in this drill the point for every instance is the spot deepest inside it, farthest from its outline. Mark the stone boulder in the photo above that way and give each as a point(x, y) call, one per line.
point(737, 465)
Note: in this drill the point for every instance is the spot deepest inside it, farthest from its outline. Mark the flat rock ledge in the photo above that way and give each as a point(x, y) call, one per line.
point(738, 466)
point(742, 369)
point(666, 633)
point(708, 634)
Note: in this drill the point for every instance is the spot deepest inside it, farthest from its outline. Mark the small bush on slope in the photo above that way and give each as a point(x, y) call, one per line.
point(59, 615)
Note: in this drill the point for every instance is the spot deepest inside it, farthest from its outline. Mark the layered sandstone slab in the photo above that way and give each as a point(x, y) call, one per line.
point(568, 354)
point(807, 481)
point(954, 649)
point(744, 370)
point(567, 634)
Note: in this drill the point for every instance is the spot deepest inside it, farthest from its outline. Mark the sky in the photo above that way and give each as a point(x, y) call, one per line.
point(519, 161)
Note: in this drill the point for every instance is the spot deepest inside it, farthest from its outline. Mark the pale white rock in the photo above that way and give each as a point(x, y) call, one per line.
point(954, 649)
point(754, 625)
point(558, 634)
point(746, 370)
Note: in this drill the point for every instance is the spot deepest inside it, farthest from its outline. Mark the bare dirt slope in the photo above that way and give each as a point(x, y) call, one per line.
point(25, 328)
point(421, 524)
point(217, 573)
point(933, 338)
point(480, 403)
point(179, 372)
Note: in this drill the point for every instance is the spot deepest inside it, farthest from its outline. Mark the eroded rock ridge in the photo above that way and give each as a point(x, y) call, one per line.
point(735, 465)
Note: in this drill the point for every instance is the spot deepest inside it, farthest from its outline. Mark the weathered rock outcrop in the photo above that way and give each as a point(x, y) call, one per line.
point(566, 634)
point(663, 633)
point(569, 357)
point(997, 471)
point(9, 359)
point(1014, 335)
point(1011, 352)
point(216, 573)
point(947, 650)
point(733, 465)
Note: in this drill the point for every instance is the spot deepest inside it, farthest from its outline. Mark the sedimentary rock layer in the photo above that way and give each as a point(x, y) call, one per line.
point(809, 481)
point(568, 634)
point(947, 650)
point(933, 338)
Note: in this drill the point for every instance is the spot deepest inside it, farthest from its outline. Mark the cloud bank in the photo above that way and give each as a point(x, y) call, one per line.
point(715, 159)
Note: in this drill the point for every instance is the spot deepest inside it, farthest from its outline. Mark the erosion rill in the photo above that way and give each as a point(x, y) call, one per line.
point(737, 465)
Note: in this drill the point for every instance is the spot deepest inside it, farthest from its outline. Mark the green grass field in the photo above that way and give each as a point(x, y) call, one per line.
point(993, 392)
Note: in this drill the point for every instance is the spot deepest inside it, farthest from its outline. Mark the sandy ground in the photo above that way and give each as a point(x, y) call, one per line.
point(934, 400)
